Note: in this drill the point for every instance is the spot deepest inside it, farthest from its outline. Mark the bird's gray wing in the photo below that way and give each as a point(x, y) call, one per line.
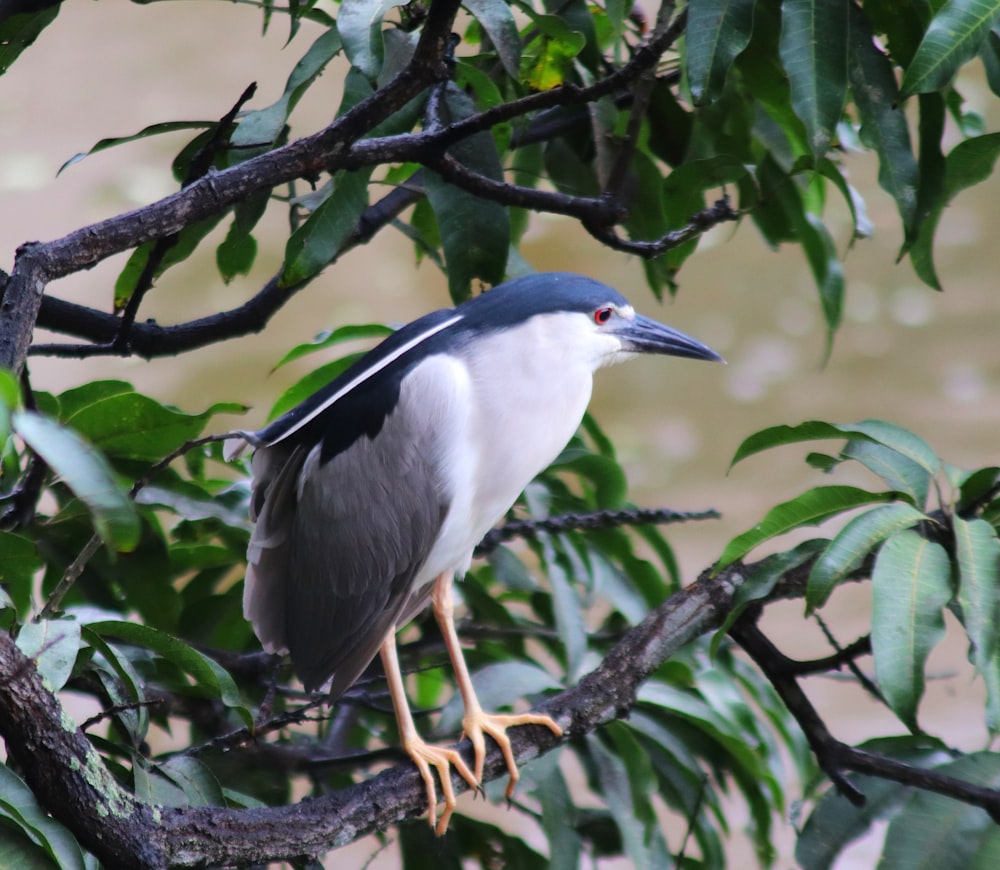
point(338, 544)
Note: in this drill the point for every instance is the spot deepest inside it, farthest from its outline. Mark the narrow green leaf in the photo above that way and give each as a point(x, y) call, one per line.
point(19, 805)
point(817, 245)
point(852, 544)
point(122, 683)
point(209, 675)
point(978, 554)
point(954, 37)
point(616, 788)
point(991, 60)
point(497, 20)
point(548, 785)
point(548, 58)
point(890, 435)
point(934, 832)
point(199, 785)
point(123, 423)
point(329, 338)
point(237, 252)
point(360, 26)
point(835, 822)
point(863, 227)
point(809, 509)
point(53, 645)
point(717, 31)
point(310, 383)
point(318, 242)
point(144, 133)
point(910, 588)
point(968, 164)
point(475, 234)
point(762, 580)
point(883, 123)
point(898, 471)
point(19, 560)
point(20, 30)
point(260, 128)
point(568, 613)
point(86, 473)
point(814, 53)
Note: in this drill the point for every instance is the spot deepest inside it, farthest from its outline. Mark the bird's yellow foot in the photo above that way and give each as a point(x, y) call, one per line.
point(476, 724)
point(442, 760)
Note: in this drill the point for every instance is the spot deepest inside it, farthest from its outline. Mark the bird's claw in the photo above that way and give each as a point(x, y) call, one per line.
point(476, 724)
point(426, 756)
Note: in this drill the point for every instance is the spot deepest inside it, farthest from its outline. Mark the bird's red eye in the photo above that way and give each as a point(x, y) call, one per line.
point(602, 315)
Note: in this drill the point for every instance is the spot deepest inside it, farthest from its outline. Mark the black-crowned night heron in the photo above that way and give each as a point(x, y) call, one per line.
point(370, 496)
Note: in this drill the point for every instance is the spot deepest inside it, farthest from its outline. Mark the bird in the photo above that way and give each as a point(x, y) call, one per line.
point(369, 497)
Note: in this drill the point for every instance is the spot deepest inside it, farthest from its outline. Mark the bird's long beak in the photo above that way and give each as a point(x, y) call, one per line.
point(644, 335)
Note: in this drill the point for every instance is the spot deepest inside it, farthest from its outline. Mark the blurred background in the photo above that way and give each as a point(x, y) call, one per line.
point(924, 360)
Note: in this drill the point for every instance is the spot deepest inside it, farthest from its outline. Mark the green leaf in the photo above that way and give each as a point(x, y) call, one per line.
point(144, 133)
point(852, 544)
point(19, 560)
point(259, 129)
point(762, 580)
point(360, 26)
point(934, 832)
point(497, 20)
point(991, 60)
point(19, 31)
point(548, 785)
point(814, 53)
point(122, 683)
point(568, 613)
point(548, 58)
point(717, 31)
point(475, 233)
point(318, 242)
point(862, 225)
point(329, 338)
point(895, 437)
point(86, 473)
point(819, 249)
point(211, 677)
point(968, 164)
point(126, 424)
point(53, 645)
point(194, 779)
point(19, 805)
point(883, 123)
point(236, 255)
point(910, 587)
point(180, 247)
point(954, 37)
point(616, 788)
point(978, 554)
point(310, 383)
point(899, 472)
point(809, 509)
point(835, 822)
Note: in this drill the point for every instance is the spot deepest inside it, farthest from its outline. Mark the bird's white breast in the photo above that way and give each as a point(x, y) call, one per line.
point(513, 404)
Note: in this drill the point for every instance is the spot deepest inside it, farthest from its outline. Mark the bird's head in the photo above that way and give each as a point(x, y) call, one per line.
point(586, 319)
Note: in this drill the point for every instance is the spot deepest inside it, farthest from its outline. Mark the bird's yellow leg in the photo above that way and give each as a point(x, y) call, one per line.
point(476, 723)
point(423, 754)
